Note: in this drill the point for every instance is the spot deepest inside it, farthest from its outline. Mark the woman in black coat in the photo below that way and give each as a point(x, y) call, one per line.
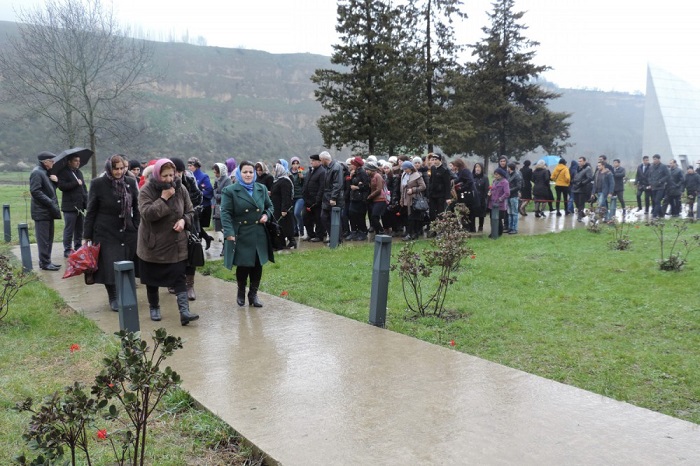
point(112, 221)
point(282, 196)
point(262, 175)
point(541, 190)
point(481, 181)
point(526, 191)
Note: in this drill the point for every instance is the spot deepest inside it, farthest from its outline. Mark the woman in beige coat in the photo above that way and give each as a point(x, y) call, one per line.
point(412, 184)
point(166, 214)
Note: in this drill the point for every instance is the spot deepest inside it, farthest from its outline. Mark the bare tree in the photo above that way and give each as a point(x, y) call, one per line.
point(72, 64)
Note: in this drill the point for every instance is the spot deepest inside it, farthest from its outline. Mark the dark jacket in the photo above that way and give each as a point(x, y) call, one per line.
point(282, 196)
point(674, 186)
point(360, 179)
point(526, 190)
point(657, 176)
point(541, 190)
point(204, 185)
point(642, 178)
point(619, 174)
point(266, 180)
point(605, 183)
point(333, 185)
point(298, 180)
point(190, 183)
point(515, 182)
point(157, 241)
point(75, 194)
point(312, 191)
point(692, 183)
point(240, 218)
point(582, 180)
point(482, 187)
point(43, 192)
point(439, 185)
point(104, 226)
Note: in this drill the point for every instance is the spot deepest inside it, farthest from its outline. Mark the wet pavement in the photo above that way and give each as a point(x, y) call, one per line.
point(308, 387)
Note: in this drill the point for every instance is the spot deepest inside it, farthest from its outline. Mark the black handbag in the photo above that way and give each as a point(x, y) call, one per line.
point(195, 252)
point(419, 203)
point(275, 232)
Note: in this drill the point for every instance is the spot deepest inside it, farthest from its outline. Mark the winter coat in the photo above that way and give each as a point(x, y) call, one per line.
point(75, 195)
point(561, 175)
point(312, 191)
point(157, 241)
point(499, 194)
point(416, 183)
point(219, 186)
point(657, 176)
point(360, 179)
point(619, 174)
point(526, 191)
point(515, 183)
point(204, 185)
point(605, 183)
point(282, 196)
point(541, 190)
point(266, 180)
point(43, 192)
point(190, 183)
point(642, 178)
point(333, 185)
point(692, 183)
point(440, 183)
point(582, 180)
point(116, 236)
point(376, 190)
point(674, 186)
point(482, 187)
point(298, 181)
point(240, 218)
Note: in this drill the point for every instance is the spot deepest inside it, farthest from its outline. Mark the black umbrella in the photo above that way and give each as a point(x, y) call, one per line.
point(61, 160)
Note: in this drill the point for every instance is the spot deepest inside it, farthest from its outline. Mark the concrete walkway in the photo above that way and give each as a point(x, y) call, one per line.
point(308, 387)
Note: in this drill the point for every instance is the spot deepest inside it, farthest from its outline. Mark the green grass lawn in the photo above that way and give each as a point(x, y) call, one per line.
point(563, 306)
point(36, 361)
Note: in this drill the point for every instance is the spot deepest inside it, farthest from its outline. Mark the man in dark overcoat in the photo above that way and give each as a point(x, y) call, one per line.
point(42, 188)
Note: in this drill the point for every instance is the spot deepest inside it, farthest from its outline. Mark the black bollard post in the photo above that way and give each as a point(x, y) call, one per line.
point(6, 221)
point(25, 247)
point(126, 296)
point(335, 228)
point(380, 280)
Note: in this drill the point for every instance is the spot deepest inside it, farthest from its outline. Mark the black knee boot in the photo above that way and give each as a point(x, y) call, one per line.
point(112, 297)
point(240, 298)
point(253, 295)
point(183, 305)
point(153, 303)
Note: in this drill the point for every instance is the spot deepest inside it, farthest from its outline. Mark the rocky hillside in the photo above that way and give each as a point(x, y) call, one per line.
point(216, 103)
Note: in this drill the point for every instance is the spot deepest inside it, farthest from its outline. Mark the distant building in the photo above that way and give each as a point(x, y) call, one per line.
point(671, 118)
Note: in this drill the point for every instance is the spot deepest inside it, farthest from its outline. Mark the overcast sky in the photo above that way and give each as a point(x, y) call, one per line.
point(595, 44)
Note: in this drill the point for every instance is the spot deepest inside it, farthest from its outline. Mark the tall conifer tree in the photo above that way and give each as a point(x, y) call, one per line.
point(500, 95)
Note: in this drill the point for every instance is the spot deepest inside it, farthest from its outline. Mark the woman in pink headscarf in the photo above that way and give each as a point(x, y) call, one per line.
point(166, 215)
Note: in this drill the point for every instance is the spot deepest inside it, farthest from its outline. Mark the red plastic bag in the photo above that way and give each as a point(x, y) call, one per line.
point(82, 260)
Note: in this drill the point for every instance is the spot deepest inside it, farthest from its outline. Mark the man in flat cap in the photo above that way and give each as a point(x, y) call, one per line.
point(42, 187)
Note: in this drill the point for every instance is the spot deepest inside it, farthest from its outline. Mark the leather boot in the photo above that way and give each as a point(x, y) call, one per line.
point(154, 304)
point(183, 306)
point(253, 295)
point(112, 297)
point(240, 298)
point(155, 313)
point(189, 280)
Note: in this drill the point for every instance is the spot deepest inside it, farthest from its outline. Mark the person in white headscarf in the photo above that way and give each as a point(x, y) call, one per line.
point(222, 180)
point(282, 196)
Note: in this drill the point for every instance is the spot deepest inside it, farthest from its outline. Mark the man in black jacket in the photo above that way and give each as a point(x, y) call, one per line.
point(333, 189)
point(656, 183)
point(642, 182)
point(73, 204)
point(44, 208)
point(674, 190)
point(439, 187)
point(312, 192)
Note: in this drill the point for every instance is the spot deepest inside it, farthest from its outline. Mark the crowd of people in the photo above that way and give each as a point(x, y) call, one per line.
point(145, 212)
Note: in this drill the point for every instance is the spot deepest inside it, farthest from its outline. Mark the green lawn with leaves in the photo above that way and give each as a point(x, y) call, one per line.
point(36, 360)
point(563, 306)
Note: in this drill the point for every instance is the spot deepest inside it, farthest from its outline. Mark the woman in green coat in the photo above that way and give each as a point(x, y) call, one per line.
point(245, 208)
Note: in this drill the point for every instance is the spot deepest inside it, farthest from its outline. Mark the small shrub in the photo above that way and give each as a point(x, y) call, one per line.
point(444, 255)
point(679, 248)
point(621, 238)
point(12, 282)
